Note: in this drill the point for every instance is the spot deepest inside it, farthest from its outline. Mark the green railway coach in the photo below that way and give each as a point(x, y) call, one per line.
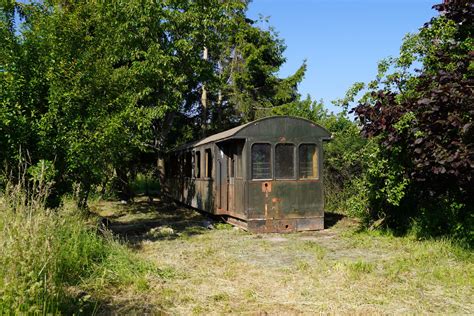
point(264, 176)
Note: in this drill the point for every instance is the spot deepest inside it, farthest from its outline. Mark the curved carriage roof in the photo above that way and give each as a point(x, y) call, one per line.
point(230, 133)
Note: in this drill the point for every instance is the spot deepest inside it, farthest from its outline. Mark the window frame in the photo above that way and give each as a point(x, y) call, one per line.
point(315, 178)
point(271, 161)
point(295, 157)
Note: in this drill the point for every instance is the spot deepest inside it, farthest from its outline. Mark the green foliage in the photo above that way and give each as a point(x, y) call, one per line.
point(42, 172)
point(223, 226)
point(103, 89)
point(420, 171)
point(47, 253)
point(92, 85)
point(245, 86)
point(342, 162)
point(145, 183)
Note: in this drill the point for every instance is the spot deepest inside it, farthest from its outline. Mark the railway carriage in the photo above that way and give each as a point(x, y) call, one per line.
point(264, 176)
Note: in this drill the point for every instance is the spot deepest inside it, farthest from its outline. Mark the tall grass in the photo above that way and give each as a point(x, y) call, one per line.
point(56, 261)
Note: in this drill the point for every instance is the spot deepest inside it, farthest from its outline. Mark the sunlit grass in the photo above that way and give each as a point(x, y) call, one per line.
point(181, 267)
point(333, 271)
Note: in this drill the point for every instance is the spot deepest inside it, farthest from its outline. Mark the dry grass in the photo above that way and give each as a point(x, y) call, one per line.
point(337, 270)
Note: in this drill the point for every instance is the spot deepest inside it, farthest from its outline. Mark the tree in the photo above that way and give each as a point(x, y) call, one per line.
point(97, 86)
point(92, 85)
point(422, 123)
point(243, 84)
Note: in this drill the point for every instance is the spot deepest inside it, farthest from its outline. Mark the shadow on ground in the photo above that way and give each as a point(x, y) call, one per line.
point(331, 219)
point(152, 220)
point(162, 218)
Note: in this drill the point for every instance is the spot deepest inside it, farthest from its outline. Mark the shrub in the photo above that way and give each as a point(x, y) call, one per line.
point(45, 254)
point(422, 124)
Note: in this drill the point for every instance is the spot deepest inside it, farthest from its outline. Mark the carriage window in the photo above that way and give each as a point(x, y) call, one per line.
point(285, 161)
point(174, 165)
point(208, 163)
point(308, 155)
point(261, 161)
point(188, 164)
point(197, 164)
point(231, 166)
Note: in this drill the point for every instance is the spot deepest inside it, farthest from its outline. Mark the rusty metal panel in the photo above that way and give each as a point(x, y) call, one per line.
point(303, 224)
point(267, 187)
point(230, 184)
point(230, 195)
point(285, 225)
point(239, 192)
point(287, 199)
point(282, 126)
point(222, 187)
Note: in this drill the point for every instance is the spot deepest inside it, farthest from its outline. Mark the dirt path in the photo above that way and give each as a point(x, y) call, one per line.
point(214, 268)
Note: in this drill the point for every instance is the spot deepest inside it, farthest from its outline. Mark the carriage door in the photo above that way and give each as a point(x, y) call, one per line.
point(226, 176)
point(222, 179)
point(230, 181)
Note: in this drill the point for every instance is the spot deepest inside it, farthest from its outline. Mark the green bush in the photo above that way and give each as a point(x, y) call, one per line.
point(418, 175)
point(48, 256)
point(41, 252)
point(146, 183)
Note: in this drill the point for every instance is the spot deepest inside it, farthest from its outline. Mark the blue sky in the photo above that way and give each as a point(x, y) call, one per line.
point(342, 40)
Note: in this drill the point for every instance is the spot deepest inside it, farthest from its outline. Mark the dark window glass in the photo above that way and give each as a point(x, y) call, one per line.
point(261, 161)
point(197, 164)
point(188, 164)
point(308, 165)
point(285, 161)
point(173, 164)
point(231, 163)
point(208, 163)
point(180, 168)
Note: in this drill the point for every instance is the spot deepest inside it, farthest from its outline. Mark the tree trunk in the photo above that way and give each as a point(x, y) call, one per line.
point(204, 100)
point(159, 143)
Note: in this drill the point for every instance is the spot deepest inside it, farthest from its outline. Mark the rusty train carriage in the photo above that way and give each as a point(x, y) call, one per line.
point(264, 176)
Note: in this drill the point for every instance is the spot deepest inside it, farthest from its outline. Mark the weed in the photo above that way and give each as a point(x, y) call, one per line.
point(340, 270)
point(44, 253)
point(221, 297)
point(250, 295)
point(358, 268)
point(302, 265)
point(315, 248)
point(209, 251)
point(199, 310)
point(223, 226)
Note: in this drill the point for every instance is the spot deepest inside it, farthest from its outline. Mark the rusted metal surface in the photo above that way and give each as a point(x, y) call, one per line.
point(266, 187)
point(285, 225)
point(236, 222)
point(269, 205)
point(234, 131)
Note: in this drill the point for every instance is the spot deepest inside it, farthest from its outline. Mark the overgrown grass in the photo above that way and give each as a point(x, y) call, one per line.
point(338, 270)
point(58, 261)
